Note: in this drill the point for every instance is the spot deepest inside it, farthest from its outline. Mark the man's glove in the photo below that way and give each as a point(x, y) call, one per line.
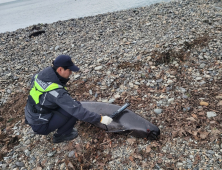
point(106, 120)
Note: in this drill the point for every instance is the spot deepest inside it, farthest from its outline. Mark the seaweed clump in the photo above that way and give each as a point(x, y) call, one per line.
point(170, 55)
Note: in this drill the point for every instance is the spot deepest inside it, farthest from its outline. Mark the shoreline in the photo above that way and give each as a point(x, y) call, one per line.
point(165, 59)
point(52, 11)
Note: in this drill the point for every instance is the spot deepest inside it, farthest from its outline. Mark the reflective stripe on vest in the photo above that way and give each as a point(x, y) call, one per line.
point(41, 87)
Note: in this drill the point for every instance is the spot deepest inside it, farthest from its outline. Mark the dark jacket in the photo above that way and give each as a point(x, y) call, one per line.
point(56, 99)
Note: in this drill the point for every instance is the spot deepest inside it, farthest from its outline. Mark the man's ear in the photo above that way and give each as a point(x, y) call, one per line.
point(59, 69)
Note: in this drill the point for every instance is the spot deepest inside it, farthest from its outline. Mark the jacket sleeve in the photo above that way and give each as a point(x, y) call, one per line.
point(65, 101)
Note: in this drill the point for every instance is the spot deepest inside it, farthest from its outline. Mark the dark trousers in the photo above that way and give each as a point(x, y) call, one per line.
point(61, 120)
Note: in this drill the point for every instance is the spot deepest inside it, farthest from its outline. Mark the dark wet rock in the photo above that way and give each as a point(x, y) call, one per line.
point(36, 33)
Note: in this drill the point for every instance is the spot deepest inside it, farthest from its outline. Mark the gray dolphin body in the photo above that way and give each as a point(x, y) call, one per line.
point(125, 122)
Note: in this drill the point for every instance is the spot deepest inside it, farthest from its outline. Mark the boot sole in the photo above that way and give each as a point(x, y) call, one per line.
point(63, 140)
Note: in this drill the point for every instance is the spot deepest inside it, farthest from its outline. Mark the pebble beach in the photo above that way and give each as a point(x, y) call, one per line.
point(165, 59)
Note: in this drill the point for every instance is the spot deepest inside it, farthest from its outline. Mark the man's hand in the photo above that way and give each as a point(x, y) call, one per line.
point(106, 120)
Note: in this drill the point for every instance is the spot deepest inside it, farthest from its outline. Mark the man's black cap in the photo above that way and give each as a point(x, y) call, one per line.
point(65, 62)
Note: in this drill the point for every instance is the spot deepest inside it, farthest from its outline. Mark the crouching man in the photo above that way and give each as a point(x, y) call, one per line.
point(50, 107)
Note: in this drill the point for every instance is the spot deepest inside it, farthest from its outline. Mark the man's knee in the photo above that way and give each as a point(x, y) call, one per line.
point(62, 114)
point(41, 129)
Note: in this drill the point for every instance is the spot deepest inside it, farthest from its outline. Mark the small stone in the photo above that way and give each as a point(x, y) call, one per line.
point(211, 114)
point(103, 87)
point(191, 157)
point(183, 90)
point(27, 152)
point(62, 166)
point(105, 100)
point(159, 80)
point(170, 100)
point(200, 57)
point(71, 154)
point(117, 96)
point(148, 149)
point(174, 62)
point(76, 76)
point(27, 142)
point(51, 154)
point(130, 84)
point(202, 65)
point(108, 72)
point(189, 161)
point(96, 95)
point(158, 111)
point(4, 166)
point(204, 104)
point(38, 168)
point(111, 100)
point(211, 152)
point(137, 83)
point(169, 81)
point(98, 68)
point(204, 50)
point(8, 75)
point(148, 84)
point(9, 91)
point(186, 109)
point(218, 13)
point(18, 67)
point(185, 96)
point(219, 97)
point(219, 103)
point(57, 47)
point(90, 92)
point(131, 140)
point(202, 82)
point(168, 88)
point(149, 58)
point(198, 78)
point(179, 164)
point(20, 164)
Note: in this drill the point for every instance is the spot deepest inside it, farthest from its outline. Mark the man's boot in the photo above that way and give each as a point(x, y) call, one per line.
point(66, 137)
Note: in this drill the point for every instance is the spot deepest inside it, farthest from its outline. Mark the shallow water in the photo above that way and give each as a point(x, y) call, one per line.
point(22, 13)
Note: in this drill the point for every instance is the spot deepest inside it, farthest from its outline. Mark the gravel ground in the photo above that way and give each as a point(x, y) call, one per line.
point(165, 59)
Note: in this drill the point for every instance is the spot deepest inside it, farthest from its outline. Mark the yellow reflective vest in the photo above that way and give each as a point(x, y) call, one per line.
point(41, 87)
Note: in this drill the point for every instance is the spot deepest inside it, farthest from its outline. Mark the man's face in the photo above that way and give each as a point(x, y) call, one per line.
point(64, 73)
